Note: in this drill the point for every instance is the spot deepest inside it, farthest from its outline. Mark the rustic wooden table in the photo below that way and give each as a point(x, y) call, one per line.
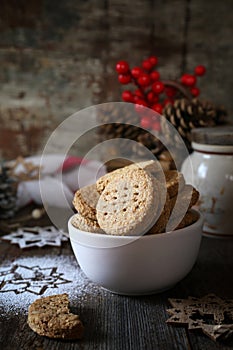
point(111, 321)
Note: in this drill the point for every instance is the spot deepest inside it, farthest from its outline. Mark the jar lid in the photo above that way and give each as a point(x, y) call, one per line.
point(219, 135)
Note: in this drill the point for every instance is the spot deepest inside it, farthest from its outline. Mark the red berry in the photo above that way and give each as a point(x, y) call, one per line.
point(150, 96)
point(140, 104)
point(124, 78)
point(122, 67)
point(195, 91)
point(136, 72)
point(158, 108)
point(138, 93)
point(137, 98)
point(158, 87)
point(200, 70)
point(156, 99)
point(146, 64)
point(188, 79)
point(154, 75)
point(170, 91)
point(145, 122)
point(156, 126)
point(168, 101)
point(144, 79)
point(153, 60)
point(127, 96)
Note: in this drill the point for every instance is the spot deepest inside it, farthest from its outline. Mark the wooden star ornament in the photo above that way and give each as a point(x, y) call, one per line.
point(211, 314)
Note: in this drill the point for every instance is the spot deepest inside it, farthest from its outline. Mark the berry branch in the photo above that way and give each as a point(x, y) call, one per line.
point(179, 87)
point(153, 92)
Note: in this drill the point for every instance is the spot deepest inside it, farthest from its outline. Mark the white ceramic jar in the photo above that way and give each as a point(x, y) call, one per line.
point(212, 175)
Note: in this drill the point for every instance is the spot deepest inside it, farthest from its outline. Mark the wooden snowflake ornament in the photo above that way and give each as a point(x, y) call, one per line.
point(211, 314)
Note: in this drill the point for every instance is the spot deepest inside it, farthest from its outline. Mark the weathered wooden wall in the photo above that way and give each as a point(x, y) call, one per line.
point(59, 56)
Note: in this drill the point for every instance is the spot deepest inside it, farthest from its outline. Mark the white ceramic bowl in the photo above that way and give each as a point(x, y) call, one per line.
point(137, 265)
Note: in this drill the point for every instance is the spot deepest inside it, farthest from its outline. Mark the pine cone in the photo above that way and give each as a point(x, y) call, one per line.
point(7, 194)
point(126, 127)
point(114, 119)
point(186, 114)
